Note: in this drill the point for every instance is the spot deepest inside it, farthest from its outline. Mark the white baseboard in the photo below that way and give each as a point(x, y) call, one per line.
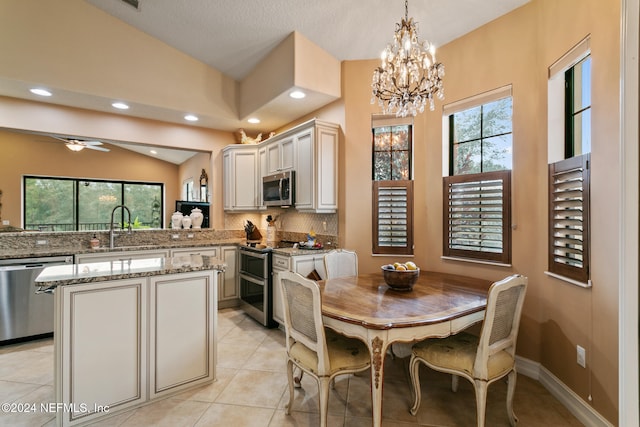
point(574, 403)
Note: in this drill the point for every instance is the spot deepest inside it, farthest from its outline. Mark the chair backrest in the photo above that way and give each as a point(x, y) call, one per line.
point(501, 321)
point(302, 309)
point(341, 263)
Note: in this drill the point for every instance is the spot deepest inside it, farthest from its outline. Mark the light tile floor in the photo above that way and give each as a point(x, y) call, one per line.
point(251, 391)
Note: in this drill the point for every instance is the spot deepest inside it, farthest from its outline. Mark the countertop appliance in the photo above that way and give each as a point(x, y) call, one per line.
point(256, 284)
point(279, 189)
point(23, 312)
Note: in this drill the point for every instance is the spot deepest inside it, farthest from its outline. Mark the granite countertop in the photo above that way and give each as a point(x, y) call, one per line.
point(299, 251)
point(6, 253)
point(73, 274)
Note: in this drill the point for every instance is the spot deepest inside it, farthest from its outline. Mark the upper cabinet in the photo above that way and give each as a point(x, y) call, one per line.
point(240, 175)
point(310, 149)
point(317, 168)
point(280, 155)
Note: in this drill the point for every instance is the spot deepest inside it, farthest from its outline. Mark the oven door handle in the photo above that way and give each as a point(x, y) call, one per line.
point(252, 279)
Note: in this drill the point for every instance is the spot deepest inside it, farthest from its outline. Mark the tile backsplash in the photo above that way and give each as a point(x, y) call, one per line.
point(290, 224)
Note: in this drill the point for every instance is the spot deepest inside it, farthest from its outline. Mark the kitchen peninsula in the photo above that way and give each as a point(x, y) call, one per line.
point(129, 331)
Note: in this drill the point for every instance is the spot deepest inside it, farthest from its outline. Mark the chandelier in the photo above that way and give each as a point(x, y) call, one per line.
point(409, 75)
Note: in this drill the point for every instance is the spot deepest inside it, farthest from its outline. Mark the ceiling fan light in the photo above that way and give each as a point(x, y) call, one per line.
point(120, 105)
point(75, 147)
point(40, 91)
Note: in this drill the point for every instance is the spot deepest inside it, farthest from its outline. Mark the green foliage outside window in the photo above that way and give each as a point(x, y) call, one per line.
point(66, 204)
point(392, 153)
point(481, 138)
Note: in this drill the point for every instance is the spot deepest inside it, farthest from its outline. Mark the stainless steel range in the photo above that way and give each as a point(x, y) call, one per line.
point(256, 284)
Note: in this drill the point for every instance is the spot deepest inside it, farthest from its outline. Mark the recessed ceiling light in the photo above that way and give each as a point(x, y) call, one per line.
point(254, 120)
point(120, 105)
point(40, 91)
point(297, 94)
point(191, 118)
point(153, 151)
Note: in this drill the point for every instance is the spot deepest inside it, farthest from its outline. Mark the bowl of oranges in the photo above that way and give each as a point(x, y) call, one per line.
point(400, 276)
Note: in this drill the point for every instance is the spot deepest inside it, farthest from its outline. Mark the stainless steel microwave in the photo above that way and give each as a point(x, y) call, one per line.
point(279, 189)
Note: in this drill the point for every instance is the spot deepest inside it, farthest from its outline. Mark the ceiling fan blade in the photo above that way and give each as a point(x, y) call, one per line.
point(95, 147)
point(90, 142)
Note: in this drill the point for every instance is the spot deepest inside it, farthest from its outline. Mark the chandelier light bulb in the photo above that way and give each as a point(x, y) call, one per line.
point(408, 76)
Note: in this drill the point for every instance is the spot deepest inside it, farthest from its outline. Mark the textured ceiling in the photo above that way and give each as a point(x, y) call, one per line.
point(234, 35)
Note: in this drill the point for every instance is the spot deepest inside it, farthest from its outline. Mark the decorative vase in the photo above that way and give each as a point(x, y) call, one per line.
point(176, 220)
point(186, 222)
point(196, 217)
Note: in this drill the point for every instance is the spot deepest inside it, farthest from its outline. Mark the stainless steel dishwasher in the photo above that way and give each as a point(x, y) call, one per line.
point(23, 313)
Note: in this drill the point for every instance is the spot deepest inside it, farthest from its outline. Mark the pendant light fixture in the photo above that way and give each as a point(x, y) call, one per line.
point(408, 76)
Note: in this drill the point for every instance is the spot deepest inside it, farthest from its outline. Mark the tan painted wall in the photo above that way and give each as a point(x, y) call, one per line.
point(515, 49)
point(48, 118)
point(29, 154)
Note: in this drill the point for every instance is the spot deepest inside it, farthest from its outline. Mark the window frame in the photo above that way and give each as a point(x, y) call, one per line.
point(447, 170)
point(561, 151)
point(76, 225)
point(377, 121)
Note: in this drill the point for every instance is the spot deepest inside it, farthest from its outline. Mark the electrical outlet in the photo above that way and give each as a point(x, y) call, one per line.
point(5, 222)
point(581, 356)
point(175, 236)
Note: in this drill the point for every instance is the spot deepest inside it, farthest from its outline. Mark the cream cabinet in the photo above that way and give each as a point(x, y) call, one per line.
point(310, 149)
point(181, 332)
point(121, 256)
point(317, 168)
point(228, 295)
point(228, 281)
point(121, 343)
point(280, 155)
point(303, 264)
point(278, 263)
point(101, 335)
point(240, 176)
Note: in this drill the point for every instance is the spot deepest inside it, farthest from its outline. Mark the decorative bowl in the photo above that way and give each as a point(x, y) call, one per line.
point(400, 280)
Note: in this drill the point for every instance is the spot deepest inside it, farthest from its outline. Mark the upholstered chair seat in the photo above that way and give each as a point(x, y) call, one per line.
point(480, 359)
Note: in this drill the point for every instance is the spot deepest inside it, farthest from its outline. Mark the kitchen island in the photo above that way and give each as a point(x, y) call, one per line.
point(127, 332)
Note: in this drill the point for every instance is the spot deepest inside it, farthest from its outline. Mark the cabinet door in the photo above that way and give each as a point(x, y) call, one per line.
point(279, 263)
point(103, 338)
point(246, 180)
point(120, 256)
point(305, 170)
point(280, 155)
point(263, 171)
point(182, 317)
point(326, 175)
point(228, 288)
point(287, 154)
point(228, 177)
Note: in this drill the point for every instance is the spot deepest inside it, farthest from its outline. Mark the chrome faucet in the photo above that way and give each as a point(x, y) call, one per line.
point(112, 231)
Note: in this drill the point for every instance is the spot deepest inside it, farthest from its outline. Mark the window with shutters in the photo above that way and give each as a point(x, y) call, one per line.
point(569, 218)
point(569, 148)
point(392, 186)
point(477, 216)
point(477, 190)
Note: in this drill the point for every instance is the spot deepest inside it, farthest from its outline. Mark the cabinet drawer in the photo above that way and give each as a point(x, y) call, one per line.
point(280, 262)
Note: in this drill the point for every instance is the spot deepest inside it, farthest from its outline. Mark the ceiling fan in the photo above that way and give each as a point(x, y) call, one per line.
point(75, 144)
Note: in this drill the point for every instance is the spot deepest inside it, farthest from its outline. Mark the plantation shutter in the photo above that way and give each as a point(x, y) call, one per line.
point(477, 216)
point(569, 218)
point(393, 225)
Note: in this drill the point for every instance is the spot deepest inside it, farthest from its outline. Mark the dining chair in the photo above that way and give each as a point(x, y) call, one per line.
point(481, 360)
point(340, 263)
point(314, 349)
